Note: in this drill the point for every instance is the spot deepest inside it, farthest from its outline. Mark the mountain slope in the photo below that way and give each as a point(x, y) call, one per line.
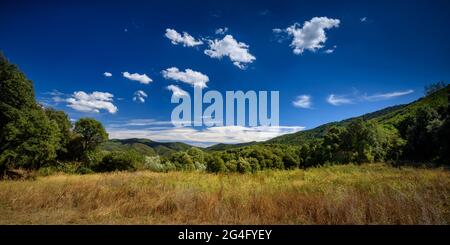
point(145, 146)
point(387, 116)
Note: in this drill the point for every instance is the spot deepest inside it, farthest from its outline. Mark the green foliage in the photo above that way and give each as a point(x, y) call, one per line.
point(65, 130)
point(119, 161)
point(28, 139)
point(216, 164)
point(434, 87)
point(423, 134)
point(243, 166)
point(90, 134)
point(145, 146)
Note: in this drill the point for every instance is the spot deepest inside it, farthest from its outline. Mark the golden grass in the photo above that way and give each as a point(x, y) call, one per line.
point(367, 194)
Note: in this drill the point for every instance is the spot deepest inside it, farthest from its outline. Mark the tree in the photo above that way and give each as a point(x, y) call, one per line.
point(434, 87)
point(90, 133)
point(216, 165)
point(28, 138)
point(65, 130)
point(332, 143)
point(422, 132)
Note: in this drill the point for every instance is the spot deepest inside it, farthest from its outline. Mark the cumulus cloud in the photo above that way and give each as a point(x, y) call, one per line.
point(139, 96)
point(221, 31)
point(303, 101)
point(194, 78)
point(177, 91)
point(386, 96)
point(186, 40)
point(204, 137)
point(93, 102)
point(237, 52)
point(107, 74)
point(311, 35)
point(338, 100)
point(144, 79)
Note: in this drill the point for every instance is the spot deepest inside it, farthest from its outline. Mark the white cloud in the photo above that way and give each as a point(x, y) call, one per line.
point(221, 31)
point(140, 96)
point(93, 102)
point(107, 74)
point(337, 100)
point(144, 79)
point(311, 36)
point(386, 96)
point(277, 30)
point(303, 101)
point(207, 136)
point(330, 50)
point(194, 78)
point(185, 39)
point(177, 91)
point(363, 19)
point(238, 52)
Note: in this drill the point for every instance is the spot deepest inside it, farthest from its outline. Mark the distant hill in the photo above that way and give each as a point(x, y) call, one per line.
point(387, 116)
point(145, 146)
point(222, 147)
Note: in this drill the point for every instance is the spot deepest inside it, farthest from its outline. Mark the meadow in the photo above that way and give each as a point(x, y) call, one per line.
point(340, 194)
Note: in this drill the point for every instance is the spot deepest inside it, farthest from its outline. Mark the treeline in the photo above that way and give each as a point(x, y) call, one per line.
point(420, 138)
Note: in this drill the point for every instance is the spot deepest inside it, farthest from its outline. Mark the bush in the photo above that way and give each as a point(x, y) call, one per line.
point(243, 166)
point(119, 161)
point(216, 165)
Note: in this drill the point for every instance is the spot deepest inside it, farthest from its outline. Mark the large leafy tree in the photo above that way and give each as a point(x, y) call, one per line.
point(64, 127)
point(91, 134)
point(28, 138)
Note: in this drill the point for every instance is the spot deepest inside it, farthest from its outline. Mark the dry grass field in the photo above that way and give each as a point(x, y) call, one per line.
point(346, 194)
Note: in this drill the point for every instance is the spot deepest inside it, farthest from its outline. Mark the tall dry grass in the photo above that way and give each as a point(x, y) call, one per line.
point(367, 194)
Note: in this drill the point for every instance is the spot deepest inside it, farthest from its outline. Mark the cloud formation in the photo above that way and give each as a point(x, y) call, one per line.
point(194, 78)
point(303, 101)
point(338, 100)
point(204, 137)
point(144, 79)
point(237, 52)
point(139, 96)
point(311, 35)
point(221, 31)
point(93, 102)
point(186, 40)
point(330, 50)
point(177, 91)
point(386, 96)
point(107, 74)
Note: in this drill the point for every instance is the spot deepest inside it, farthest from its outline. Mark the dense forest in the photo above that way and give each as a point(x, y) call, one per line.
point(34, 137)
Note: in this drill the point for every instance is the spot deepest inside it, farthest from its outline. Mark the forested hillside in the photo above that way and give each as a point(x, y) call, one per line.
point(145, 146)
point(390, 116)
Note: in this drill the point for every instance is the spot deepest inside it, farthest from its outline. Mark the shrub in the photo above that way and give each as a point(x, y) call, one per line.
point(120, 161)
point(243, 166)
point(216, 165)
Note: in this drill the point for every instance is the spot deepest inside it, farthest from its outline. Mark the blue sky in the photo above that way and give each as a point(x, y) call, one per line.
point(341, 59)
